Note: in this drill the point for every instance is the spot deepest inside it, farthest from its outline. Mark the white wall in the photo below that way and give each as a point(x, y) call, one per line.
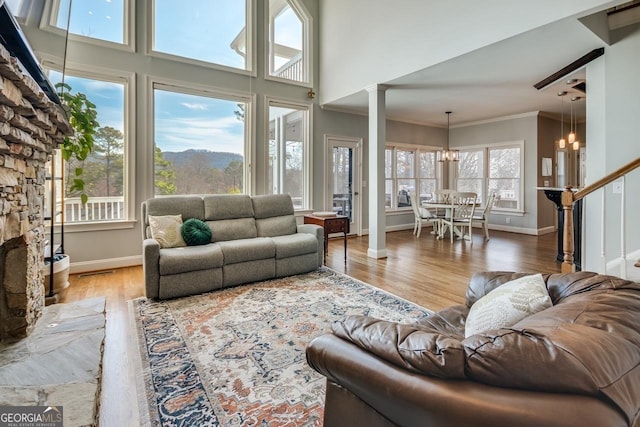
point(392, 40)
point(613, 109)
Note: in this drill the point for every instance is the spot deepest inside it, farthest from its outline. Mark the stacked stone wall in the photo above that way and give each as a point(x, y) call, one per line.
point(31, 126)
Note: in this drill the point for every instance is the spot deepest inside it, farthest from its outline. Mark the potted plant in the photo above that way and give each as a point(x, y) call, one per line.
point(82, 116)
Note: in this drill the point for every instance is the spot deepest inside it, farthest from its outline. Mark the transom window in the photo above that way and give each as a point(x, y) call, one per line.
point(494, 169)
point(200, 142)
point(409, 169)
point(102, 20)
point(289, 157)
point(213, 31)
point(288, 41)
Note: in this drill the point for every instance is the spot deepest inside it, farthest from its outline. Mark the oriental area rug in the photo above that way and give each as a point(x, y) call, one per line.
point(236, 357)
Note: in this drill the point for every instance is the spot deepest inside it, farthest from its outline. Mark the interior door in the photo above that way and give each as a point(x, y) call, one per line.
point(344, 170)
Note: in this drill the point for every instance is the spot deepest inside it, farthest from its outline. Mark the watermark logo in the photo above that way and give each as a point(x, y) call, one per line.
point(30, 416)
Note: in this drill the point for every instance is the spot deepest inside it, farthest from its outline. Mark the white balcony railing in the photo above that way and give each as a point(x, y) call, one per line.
point(96, 209)
point(292, 70)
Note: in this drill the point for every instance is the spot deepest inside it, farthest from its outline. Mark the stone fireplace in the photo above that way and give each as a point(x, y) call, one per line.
point(31, 126)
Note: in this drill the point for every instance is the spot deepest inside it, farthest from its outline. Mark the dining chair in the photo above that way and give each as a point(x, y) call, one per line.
point(463, 205)
point(482, 218)
point(422, 214)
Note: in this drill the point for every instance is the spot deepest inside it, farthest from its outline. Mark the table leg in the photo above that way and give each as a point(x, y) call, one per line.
point(345, 247)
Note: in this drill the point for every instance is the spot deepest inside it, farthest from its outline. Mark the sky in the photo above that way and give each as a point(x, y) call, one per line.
point(203, 31)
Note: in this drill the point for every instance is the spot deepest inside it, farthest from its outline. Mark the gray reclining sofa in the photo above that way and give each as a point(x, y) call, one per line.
point(253, 238)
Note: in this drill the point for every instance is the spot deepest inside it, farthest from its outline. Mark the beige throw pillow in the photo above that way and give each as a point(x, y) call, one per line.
point(506, 305)
point(166, 230)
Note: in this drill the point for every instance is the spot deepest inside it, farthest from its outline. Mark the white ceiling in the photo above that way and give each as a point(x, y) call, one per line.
point(491, 82)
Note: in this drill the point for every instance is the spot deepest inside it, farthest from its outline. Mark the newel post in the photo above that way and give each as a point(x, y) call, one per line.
point(567, 233)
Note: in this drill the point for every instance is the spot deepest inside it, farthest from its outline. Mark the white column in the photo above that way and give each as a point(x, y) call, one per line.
point(377, 140)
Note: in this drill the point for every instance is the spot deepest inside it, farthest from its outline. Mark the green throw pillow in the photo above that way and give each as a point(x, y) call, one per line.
point(195, 232)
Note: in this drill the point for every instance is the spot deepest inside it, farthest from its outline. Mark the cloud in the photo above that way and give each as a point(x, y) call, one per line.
point(220, 134)
point(194, 106)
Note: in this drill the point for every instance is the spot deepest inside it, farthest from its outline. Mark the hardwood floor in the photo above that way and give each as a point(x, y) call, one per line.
point(432, 273)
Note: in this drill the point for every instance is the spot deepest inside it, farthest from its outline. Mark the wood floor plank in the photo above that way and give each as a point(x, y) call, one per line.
point(432, 273)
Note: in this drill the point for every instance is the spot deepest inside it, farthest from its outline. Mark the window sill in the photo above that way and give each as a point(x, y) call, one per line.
point(82, 227)
point(494, 211)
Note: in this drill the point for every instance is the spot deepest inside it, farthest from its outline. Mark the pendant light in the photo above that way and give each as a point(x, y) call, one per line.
point(572, 136)
point(447, 155)
point(561, 142)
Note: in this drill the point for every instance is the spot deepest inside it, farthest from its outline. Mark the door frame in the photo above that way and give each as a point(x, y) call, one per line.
point(331, 141)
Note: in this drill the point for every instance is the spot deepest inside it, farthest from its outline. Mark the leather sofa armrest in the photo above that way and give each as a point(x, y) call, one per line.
point(151, 267)
point(317, 231)
point(411, 399)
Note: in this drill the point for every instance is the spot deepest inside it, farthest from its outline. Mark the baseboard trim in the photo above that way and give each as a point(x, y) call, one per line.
point(104, 264)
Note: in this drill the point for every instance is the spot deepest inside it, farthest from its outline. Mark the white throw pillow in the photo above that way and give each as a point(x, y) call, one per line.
point(506, 305)
point(166, 230)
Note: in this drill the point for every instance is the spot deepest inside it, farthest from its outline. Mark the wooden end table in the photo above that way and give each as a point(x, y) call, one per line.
point(331, 224)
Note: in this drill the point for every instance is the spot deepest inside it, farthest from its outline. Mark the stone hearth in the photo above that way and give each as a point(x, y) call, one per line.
point(31, 125)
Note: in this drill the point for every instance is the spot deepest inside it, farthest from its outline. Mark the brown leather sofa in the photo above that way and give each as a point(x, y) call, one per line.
point(574, 364)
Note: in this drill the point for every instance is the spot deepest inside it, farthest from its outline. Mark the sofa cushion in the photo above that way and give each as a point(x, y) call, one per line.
point(274, 215)
point(195, 232)
point(165, 229)
point(227, 206)
point(508, 304)
point(187, 206)
point(407, 346)
point(232, 229)
point(295, 244)
point(190, 258)
point(242, 250)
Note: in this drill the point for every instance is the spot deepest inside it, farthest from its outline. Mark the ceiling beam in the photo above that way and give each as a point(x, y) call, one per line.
point(575, 65)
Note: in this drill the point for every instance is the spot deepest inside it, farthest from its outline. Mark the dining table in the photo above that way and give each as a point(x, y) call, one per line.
point(447, 209)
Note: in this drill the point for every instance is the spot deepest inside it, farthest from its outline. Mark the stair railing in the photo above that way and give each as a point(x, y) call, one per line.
point(568, 198)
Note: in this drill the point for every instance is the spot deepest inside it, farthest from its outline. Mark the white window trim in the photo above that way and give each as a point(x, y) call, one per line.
point(485, 179)
point(308, 155)
point(307, 45)
point(406, 146)
point(190, 88)
point(250, 34)
point(128, 80)
point(48, 23)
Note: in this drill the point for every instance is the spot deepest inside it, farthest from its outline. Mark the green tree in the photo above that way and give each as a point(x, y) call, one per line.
point(165, 175)
point(233, 176)
point(109, 145)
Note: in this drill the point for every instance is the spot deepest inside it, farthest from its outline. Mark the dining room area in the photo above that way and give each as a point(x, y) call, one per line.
point(451, 212)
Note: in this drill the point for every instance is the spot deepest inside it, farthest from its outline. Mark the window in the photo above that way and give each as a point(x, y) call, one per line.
point(471, 172)
point(495, 168)
point(406, 170)
point(104, 169)
point(288, 41)
point(504, 177)
point(102, 20)
point(213, 31)
point(288, 169)
point(200, 142)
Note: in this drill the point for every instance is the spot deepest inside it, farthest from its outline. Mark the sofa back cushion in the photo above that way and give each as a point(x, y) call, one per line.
point(230, 217)
point(274, 215)
point(187, 206)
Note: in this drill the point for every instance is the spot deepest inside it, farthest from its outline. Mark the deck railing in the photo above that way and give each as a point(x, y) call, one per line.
point(96, 209)
point(569, 198)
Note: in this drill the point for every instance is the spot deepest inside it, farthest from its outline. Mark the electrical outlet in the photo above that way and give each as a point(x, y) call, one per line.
point(508, 220)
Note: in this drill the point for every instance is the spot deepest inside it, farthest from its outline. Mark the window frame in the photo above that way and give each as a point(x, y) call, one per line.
point(307, 45)
point(417, 149)
point(487, 148)
point(129, 130)
point(307, 160)
point(189, 88)
point(250, 25)
point(48, 23)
